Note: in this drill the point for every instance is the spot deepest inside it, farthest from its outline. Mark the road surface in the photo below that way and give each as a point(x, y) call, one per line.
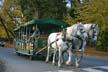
point(14, 63)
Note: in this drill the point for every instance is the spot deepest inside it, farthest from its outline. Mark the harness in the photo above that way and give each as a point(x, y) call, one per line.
point(67, 40)
point(93, 35)
point(80, 40)
point(71, 41)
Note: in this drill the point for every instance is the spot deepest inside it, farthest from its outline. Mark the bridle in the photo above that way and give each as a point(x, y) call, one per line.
point(93, 31)
point(79, 37)
point(76, 36)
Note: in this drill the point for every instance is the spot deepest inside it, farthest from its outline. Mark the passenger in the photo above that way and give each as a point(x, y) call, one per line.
point(35, 33)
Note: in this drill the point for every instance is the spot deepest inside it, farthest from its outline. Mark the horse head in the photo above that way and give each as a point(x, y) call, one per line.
point(80, 31)
point(93, 32)
point(76, 30)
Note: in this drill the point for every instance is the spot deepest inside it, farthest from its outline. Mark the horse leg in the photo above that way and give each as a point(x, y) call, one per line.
point(68, 62)
point(60, 56)
point(54, 54)
point(47, 58)
point(79, 58)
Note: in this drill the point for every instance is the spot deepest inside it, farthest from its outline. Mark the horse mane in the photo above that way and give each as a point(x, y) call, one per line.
point(72, 29)
point(89, 25)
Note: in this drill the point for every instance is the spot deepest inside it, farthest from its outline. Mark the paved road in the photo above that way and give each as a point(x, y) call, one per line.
point(16, 63)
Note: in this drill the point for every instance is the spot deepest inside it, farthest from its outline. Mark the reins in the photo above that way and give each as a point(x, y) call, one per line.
point(71, 41)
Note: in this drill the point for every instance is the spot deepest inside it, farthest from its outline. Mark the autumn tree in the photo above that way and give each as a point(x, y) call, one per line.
point(96, 11)
point(16, 12)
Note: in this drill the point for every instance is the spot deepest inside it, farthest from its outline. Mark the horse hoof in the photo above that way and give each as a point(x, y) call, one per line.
point(68, 63)
point(77, 66)
point(59, 66)
point(53, 64)
point(46, 61)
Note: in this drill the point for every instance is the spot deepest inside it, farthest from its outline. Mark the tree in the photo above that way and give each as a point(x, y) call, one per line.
point(16, 12)
point(8, 17)
point(43, 8)
point(96, 12)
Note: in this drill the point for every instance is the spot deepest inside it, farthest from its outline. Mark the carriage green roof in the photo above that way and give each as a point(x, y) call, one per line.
point(46, 22)
point(16, 29)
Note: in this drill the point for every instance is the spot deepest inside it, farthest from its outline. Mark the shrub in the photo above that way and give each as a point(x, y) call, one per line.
point(102, 43)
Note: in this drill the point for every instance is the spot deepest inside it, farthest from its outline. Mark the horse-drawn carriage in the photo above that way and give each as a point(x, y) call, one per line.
point(31, 37)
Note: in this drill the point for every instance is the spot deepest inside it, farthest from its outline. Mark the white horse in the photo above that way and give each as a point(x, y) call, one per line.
point(60, 42)
point(55, 41)
point(92, 31)
point(79, 37)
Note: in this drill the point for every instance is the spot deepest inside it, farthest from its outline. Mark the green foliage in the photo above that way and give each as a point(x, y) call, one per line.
point(96, 11)
point(43, 8)
point(69, 19)
point(29, 9)
point(102, 44)
point(4, 14)
point(92, 11)
point(2, 32)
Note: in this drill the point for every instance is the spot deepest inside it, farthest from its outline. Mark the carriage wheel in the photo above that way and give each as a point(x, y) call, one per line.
point(18, 54)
